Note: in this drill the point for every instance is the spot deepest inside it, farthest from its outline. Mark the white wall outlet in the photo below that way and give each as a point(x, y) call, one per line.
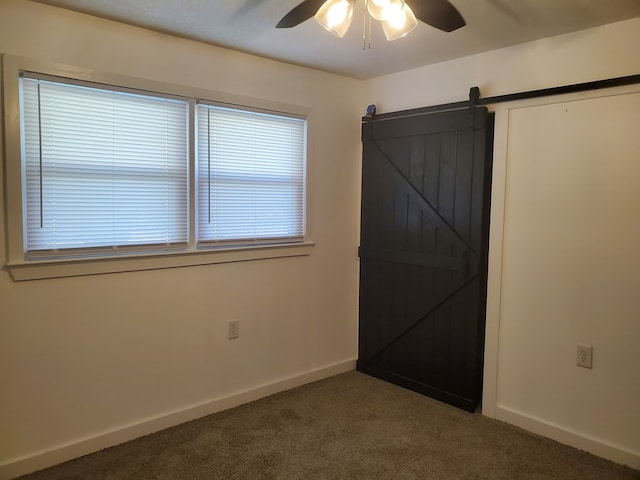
point(234, 329)
point(585, 356)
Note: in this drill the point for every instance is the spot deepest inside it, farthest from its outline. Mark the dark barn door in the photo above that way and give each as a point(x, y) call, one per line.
point(423, 251)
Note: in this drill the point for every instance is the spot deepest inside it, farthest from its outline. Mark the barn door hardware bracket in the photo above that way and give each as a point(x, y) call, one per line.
point(474, 96)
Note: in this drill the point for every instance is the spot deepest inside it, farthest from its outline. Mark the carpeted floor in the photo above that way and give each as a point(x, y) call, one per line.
point(350, 426)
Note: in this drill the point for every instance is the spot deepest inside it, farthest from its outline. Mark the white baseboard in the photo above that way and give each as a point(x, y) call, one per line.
point(61, 453)
point(569, 437)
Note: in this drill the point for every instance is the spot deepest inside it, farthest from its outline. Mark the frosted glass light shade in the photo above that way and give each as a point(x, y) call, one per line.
point(381, 9)
point(336, 16)
point(399, 23)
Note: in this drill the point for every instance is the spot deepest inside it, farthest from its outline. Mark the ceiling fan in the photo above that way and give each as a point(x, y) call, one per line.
point(396, 16)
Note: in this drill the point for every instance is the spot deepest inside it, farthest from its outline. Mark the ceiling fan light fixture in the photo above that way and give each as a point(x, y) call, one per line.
point(335, 16)
point(399, 23)
point(381, 9)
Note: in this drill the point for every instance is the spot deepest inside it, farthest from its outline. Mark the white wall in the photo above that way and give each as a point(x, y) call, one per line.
point(599, 53)
point(570, 269)
point(530, 374)
point(85, 356)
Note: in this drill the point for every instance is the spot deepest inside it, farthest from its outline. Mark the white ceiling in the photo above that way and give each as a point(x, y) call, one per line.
point(249, 26)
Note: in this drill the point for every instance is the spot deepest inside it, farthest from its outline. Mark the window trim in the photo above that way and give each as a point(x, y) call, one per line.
point(35, 270)
point(22, 269)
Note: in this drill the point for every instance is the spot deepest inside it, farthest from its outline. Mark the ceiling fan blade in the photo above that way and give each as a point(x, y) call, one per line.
point(438, 13)
point(299, 14)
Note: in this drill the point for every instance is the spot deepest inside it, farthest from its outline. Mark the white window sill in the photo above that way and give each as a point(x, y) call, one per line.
point(35, 270)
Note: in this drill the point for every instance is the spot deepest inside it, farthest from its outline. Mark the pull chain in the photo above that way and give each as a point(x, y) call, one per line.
point(364, 25)
point(365, 14)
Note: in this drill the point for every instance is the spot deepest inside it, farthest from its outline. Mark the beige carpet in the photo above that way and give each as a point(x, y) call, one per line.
point(347, 427)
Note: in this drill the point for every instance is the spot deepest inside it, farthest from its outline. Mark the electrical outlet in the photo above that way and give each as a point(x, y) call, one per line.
point(585, 356)
point(234, 329)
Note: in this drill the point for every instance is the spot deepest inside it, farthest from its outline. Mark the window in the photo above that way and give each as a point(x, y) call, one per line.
point(250, 177)
point(134, 174)
point(104, 170)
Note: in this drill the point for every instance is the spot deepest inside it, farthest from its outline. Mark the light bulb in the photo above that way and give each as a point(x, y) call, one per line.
point(381, 9)
point(336, 16)
point(399, 23)
point(397, 18)
point(337, 13)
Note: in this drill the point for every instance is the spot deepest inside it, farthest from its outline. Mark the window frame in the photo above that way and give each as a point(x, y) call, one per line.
point(22, 268)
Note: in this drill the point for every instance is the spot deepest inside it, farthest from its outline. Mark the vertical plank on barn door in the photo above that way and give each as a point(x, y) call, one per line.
point(425, 187)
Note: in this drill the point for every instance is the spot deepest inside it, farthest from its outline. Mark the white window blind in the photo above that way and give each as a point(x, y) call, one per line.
point(104, 170)
point(251, 176)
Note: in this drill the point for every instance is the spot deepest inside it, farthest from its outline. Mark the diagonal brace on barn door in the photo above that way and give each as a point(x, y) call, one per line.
point(431, 309)
point(431, 210)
